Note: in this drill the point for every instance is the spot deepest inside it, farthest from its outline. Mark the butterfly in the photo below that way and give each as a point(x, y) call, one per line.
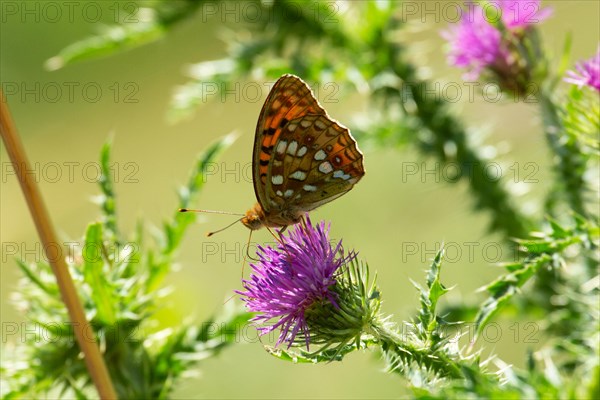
point(302, 157)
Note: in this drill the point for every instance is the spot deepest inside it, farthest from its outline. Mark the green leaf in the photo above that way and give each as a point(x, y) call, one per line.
point(143, 26)
point(299, 356)
point(436, 289)
point(504, 288)
point(116, 38)
point(51, 290)
point(107, 199)
point(541, 252)
point(557, 230)
point(430, 296)
point(95, 276)
point(288, 356)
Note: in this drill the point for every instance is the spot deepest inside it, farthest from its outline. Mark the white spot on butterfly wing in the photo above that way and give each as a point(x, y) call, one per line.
point(325, 167)
point(277, 179)
point(341, 174)
point(292, 127)
point(288, 193)
point(301, 151)
point(281, 146)
point(309, 188)
point(298, 175)
point(320, 124)
point(291, 149)
point(320, 155)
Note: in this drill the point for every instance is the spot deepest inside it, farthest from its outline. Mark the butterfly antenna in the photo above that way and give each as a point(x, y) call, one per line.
point(215, 212)
point(210, 211)
point(209, 234)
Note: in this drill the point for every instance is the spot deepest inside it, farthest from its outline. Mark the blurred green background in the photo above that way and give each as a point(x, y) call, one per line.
point(386, 217)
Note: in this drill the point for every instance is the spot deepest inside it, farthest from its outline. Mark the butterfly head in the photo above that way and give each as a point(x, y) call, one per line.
point(254, 217)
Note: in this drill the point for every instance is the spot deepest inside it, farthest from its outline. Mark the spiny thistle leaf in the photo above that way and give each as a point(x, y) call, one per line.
point(48, 288)
point(95, 275)
point(430, 297)
point(541, 253)
point(107, 199)
point(141, 25)
point(504, 288)
point(304, 357)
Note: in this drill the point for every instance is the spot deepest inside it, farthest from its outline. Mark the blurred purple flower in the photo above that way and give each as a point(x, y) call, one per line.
point(521, 13)
point(476, 42)
point(288, 280)
point(587, 73)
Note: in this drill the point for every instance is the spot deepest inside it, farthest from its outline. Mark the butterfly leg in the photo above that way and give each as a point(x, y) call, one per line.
point(279, 238)
point(248, 254)
point(303, 221)
point(230, 298)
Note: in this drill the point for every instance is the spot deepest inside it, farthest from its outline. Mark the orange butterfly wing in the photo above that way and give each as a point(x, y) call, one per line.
point(302, 158)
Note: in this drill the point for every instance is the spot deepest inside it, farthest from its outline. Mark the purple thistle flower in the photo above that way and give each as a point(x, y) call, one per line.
point(292, 279)
point(521, 13)
point(474, 44)
point(587, 73)
point(477, 43)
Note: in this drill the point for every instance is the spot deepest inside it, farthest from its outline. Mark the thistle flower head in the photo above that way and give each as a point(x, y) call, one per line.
point(477, 42)
point(474, 44)
point(292, 278)
point(520, 14)
point(587, 73)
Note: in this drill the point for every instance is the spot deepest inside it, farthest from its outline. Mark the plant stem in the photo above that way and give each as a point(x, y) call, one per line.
point(395, 347)
point(93, 359)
